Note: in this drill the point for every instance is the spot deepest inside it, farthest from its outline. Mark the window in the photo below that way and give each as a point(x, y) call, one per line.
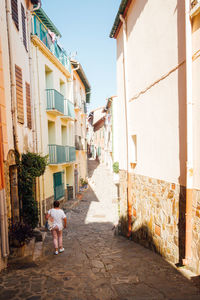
point(14, 7)
point(24, 26)
point(28, 105)
point(19, 95)
point(133, 148)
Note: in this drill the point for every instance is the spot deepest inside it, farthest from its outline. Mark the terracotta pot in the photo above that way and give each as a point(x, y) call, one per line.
point(79, 196)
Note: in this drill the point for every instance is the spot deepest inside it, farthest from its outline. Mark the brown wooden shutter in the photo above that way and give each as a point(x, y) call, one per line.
point(19, 95)
point(24, 26)
point(28, 105)
point(14, 7)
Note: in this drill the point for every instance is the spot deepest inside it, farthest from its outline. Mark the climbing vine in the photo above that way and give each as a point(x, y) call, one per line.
point(30, 166)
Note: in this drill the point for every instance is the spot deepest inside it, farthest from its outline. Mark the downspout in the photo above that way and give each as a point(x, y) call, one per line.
point(41, 143)
point(34, 130)
point(189, 167)
point(3, 208)
point(12, 75)
point(126, 122)
point(34, 123)
point(78, 66)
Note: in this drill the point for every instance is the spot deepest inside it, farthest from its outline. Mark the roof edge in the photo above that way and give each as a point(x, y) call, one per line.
point(83, 78)
point(41, 14)
point(123, 8)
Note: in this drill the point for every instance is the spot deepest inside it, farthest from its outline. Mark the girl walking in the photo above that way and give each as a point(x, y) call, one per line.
point(59, 220)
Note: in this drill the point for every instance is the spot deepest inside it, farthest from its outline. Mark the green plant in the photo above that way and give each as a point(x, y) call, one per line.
point(19, 234)
point(116, 167)
point(30, 166)
point(83, 181)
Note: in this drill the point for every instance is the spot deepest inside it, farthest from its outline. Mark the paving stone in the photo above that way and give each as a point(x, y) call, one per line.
point(96, 265)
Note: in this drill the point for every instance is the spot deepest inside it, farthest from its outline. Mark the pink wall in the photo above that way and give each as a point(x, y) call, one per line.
point(155, 48)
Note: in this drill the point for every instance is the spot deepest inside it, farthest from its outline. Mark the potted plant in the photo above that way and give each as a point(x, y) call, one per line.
point(84, 183)
point(20, 235)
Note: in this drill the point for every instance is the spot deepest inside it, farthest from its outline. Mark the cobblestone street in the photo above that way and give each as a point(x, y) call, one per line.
point(96, 264)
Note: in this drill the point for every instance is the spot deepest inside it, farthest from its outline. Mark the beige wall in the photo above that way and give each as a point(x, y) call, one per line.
point(20, 57)
point(5, 60)
point(157, 115)
point(120, 114)
point(196, 99)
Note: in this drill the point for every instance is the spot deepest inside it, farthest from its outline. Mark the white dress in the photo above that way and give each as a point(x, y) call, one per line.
point(58, 216)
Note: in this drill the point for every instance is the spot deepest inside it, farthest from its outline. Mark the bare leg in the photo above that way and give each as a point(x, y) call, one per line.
point(60, 240)
point(55, 238)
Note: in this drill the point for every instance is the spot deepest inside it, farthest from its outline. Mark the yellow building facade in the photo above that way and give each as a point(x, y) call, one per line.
point(81, 94)
point(54, 113)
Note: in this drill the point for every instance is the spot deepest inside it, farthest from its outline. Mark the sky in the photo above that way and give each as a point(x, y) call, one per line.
point(85, 26)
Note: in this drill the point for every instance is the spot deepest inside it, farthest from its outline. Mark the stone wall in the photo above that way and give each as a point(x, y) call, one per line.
point(50, 200)
point(158, 214)
point(195, 264)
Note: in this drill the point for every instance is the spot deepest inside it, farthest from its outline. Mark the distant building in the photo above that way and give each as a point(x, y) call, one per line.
point(158, 113)
point(81, 95)
point(97, 120)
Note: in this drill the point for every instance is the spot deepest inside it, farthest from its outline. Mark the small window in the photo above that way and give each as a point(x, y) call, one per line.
point(24, 26)
point(14, 7)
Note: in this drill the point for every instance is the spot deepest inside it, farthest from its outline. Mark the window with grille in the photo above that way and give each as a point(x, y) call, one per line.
point(19, 94)
point(28, 105)
point(14, 7)
point(24, 26)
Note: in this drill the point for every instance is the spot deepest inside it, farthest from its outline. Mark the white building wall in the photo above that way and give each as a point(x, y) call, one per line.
point(156, 116)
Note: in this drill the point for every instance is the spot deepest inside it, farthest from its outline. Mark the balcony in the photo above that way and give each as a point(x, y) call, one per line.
point(55, 102)
point(41, 31)
point(78, 142)
point(68, 110)
point(61, 154)
point(77, 103)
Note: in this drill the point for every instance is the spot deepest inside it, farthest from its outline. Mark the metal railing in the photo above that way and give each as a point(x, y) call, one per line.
point(69, 109)
point(55, 100)
point(40, 30)
point(59, 154)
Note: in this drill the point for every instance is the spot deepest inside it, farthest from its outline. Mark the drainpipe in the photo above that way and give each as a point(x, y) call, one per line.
point(189, 174)
point(126, 122)
point(34, 126)
point(31, 71)
point(3, 208)
point(12, 75)
point(73, 70)
point(3, 224)
point(41, 143)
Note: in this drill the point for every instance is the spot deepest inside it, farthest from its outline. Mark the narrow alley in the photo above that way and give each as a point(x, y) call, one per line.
point(96, 264)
